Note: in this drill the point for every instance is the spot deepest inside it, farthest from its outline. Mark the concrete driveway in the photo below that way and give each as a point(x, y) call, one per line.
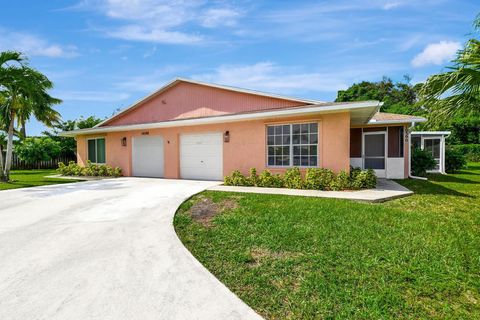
point(104, 250)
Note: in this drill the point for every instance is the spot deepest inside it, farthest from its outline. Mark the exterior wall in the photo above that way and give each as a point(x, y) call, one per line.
point(246, 148)
point(396, 166)
point(187, 100)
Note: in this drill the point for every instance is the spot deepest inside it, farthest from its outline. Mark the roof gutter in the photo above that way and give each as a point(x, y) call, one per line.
point(314, 109)
point(399, 121)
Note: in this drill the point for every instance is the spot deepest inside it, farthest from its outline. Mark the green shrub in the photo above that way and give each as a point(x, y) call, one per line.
point(454, 160)
point(292, 179)
point(364, 179)
point(237, 179)
point(354, 172)
point(35, 150)
point(315, 179)
point(91, 169)
point(341, 181)
point(269, 180)
point(253, 177)
point(470, 151)
point(421, 162)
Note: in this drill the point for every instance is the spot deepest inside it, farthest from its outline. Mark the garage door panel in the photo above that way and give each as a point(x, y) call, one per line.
point(147, 156)
point(201, 156)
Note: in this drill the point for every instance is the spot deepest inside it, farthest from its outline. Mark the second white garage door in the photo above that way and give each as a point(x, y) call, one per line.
point(201, 156)
point(147, 156)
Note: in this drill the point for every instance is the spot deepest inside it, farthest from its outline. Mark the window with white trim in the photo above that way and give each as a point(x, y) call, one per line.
point(292, 145)
point(96, 150)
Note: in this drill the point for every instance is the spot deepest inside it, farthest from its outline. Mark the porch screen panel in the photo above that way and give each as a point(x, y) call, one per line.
point(374, 151)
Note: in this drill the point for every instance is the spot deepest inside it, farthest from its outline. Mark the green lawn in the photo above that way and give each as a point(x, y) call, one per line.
point(307, 258)
point(31, 178)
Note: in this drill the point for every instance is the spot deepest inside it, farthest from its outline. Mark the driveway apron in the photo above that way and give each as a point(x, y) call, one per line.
point(105, 250)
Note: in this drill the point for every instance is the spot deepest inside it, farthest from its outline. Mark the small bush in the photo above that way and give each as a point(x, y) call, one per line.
point(470, 151)
point(421, 162)
point(237, 179)
point(96, 170)
point(341, 181)
point(313, 179)
point(253, 177)
point(454, 160)
point(364, 179)
point(269, 180)
point(293, 178)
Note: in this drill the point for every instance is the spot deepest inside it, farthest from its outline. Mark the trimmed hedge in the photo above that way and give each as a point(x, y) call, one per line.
point(454, 160)
point(470, 151)
point(90, 170)
point(315, 179)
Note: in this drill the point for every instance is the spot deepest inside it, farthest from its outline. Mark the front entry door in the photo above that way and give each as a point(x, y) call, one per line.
point(374, 152)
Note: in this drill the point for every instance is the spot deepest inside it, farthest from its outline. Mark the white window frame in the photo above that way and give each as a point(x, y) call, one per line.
point(291, 144)
point(96, 151)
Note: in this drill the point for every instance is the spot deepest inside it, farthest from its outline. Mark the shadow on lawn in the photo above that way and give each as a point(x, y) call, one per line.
point(450, 178)
point(428, 187)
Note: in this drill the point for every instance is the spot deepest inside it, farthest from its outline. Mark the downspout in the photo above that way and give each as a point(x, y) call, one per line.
point(410, 154)
point(444, 146)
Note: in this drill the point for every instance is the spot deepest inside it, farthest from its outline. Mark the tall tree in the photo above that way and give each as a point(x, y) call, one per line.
point(457, 91)
point(68, 145)
point(397, 97)
point(7, 58)
point(24, 93)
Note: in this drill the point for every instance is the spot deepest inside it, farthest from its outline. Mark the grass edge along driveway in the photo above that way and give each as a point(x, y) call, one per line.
point(308, 258)
point(32, 178)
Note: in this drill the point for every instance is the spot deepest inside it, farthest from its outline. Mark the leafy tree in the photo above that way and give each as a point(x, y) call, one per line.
point(24, 93)
point(457, 91)
point(68, 145)
point(398, 97)
point(33, 150)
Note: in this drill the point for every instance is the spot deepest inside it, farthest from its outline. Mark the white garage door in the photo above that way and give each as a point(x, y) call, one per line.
point(147, 156)
point(201, 156)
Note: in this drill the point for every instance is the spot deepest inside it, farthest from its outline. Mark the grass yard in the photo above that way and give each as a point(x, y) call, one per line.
point(31, 178)
point(308, 258)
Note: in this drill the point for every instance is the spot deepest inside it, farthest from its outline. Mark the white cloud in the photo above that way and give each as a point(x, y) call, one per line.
point(139, 33)
point(215, 17)
point(151, 80)
point(160, 21)
point(268, 76)
point(436, 53)
point(391, 5)
point(33, 45)
point(101, 96)
point(271, 77)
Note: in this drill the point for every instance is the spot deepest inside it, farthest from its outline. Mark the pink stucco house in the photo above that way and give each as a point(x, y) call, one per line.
point(195, 130)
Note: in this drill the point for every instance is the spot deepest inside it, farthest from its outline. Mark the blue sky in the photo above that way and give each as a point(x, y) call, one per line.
point(105, 54)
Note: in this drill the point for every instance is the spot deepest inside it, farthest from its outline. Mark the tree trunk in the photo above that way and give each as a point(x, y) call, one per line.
point(23, 131)
point(1, 162)
point(8, 158)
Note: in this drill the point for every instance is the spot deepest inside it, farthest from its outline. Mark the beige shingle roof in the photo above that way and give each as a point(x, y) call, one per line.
point(394, 117)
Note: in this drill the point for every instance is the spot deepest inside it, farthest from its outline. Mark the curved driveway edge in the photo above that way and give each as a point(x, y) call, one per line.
point(105, 250)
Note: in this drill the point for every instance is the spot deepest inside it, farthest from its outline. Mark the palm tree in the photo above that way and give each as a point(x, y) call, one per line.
point(24, 93)
point(6, 59)
point(456, 92)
